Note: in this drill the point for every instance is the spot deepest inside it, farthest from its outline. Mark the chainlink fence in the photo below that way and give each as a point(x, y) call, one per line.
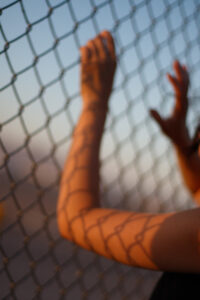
point(39, 106)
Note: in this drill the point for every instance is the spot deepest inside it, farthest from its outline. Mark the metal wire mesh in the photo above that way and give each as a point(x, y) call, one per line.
point(39, 106)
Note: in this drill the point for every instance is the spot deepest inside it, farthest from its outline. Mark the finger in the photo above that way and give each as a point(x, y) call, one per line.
point(179, 71)
point(85, 54)
point(93, 50)
point(185, 69)
point(109, 43)
point(173, 80)
point(156, 116)
point(100, 47)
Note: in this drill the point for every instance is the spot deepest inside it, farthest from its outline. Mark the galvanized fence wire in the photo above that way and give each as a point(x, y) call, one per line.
point(40, 102)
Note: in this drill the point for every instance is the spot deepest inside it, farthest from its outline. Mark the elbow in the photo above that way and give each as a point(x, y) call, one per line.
point(63, 226)
point(62, 217)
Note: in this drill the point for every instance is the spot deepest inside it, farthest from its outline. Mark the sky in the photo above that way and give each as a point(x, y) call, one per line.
point(39, 78)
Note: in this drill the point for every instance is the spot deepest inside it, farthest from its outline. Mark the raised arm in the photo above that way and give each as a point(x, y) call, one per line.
point(176, 129)
point(165, 241)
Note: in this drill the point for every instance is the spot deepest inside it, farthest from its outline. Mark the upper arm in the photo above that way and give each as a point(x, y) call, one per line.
point(162, 241)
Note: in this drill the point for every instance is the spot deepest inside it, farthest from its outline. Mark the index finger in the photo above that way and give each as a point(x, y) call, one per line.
point(109, 43)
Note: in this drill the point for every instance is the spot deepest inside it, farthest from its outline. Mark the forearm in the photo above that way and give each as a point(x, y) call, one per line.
point(79, 189)
point(188, 159)
point(189, 164)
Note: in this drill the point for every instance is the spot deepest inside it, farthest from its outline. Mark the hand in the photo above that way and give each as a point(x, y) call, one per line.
point(98, 64)
point(175, 125)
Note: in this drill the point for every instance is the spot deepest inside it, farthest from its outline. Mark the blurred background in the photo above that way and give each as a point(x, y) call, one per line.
point(40, 104)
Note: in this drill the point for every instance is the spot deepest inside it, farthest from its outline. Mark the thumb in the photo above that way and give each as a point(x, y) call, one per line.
point(156, 116)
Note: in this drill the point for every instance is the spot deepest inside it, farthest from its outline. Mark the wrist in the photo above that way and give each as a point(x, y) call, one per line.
point(91, 122)
point(185, 147)
point(95, 106)
point(93, 115)
point(182, 143)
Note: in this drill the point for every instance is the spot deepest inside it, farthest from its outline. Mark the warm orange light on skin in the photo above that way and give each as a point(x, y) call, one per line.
point(167, 242)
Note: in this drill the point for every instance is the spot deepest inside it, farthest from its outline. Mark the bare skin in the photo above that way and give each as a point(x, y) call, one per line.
point(168, 242)
point(97, 70)
point(175, 125)
point(175, 128)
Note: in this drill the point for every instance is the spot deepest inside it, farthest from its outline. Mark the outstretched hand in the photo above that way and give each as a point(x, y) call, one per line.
point(98, 64)
point(175, 125)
